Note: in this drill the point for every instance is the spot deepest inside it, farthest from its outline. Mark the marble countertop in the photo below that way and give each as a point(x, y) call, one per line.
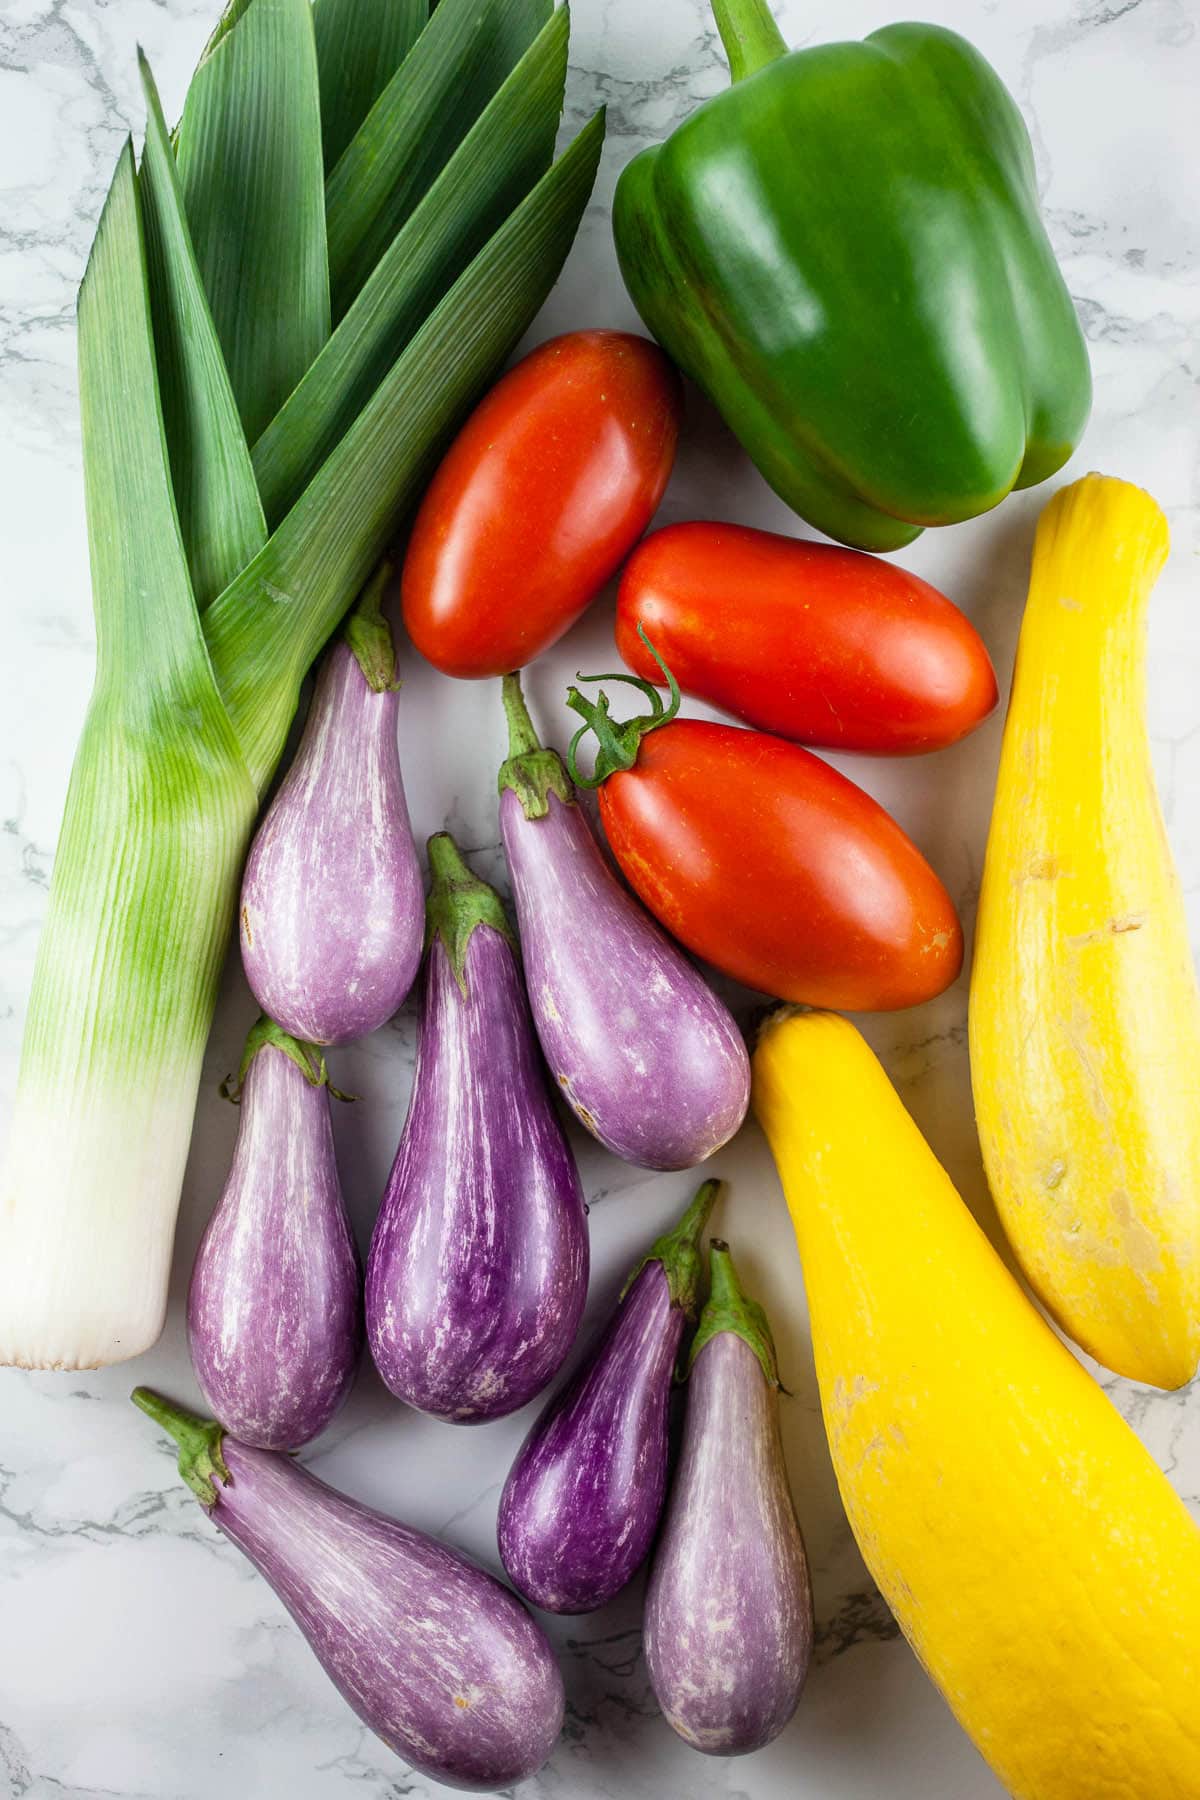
point(140, 1655)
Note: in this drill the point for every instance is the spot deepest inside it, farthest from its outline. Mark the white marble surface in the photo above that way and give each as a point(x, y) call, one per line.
point(139, 1655)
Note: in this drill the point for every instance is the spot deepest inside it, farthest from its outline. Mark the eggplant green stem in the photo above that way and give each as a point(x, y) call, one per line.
point(522, 738)
point(750, 35)
point(618, 741)
point(678, 1251)
point(459, 902)
point(308, 1058)
point(729, 1309)
point(533, 773)
point(200, 1460)
point(370, 636)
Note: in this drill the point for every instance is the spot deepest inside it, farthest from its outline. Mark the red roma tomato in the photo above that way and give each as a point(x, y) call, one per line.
point(553, 478)
point(769, 864)
point(824, 645)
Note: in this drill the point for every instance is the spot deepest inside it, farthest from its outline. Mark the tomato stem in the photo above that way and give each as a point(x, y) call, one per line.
point(618, 741)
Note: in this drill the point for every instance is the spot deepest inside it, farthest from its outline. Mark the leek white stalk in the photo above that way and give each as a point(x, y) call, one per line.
point(205, 626)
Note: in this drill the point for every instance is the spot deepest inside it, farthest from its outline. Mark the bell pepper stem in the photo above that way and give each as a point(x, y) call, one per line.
point(750, 35)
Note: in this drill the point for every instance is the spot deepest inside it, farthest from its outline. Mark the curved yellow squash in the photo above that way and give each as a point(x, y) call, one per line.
point(1085, 1021)
point(1038, 1562)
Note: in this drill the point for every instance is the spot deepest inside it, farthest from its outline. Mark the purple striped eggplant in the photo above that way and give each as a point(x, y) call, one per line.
point(332, 909)
point(651, 1061)
point(582, 1502)
point(431, 1652)
point(275, 1303)
point(479, 1262)
point(729, 1621)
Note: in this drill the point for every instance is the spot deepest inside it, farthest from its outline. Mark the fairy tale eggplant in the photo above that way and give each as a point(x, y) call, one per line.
point(649, 1058)
point(478, 1268)
point(582, 1501)
point(729, 1622)
point(275, 1303)
point(435, 1656)
point(332, 907)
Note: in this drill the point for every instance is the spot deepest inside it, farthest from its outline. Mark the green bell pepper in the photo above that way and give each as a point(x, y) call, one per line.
point(845, 251)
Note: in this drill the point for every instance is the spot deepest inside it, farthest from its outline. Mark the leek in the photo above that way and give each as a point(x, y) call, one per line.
point(251, 133)
point(360, 45)
point(158, 812)
point(205, 626)
point(454, 68)
point(216, 495)
point(508, 147)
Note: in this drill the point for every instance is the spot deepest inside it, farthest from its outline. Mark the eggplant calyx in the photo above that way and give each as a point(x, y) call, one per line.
point(459, 902)
point(678, 1251)
point(531, 771)
point(618, 741)
point(370, 637)
point(200, 1460)
point(308, 1058)
point(729, 1309)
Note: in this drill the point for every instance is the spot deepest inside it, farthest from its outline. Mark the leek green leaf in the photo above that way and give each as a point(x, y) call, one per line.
point(148, 634)
point(225, 23)
point(252, 173)
point(265, 629)
point(508, 147)
point(442, 86)
point(360, 45)
point(216, 495)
